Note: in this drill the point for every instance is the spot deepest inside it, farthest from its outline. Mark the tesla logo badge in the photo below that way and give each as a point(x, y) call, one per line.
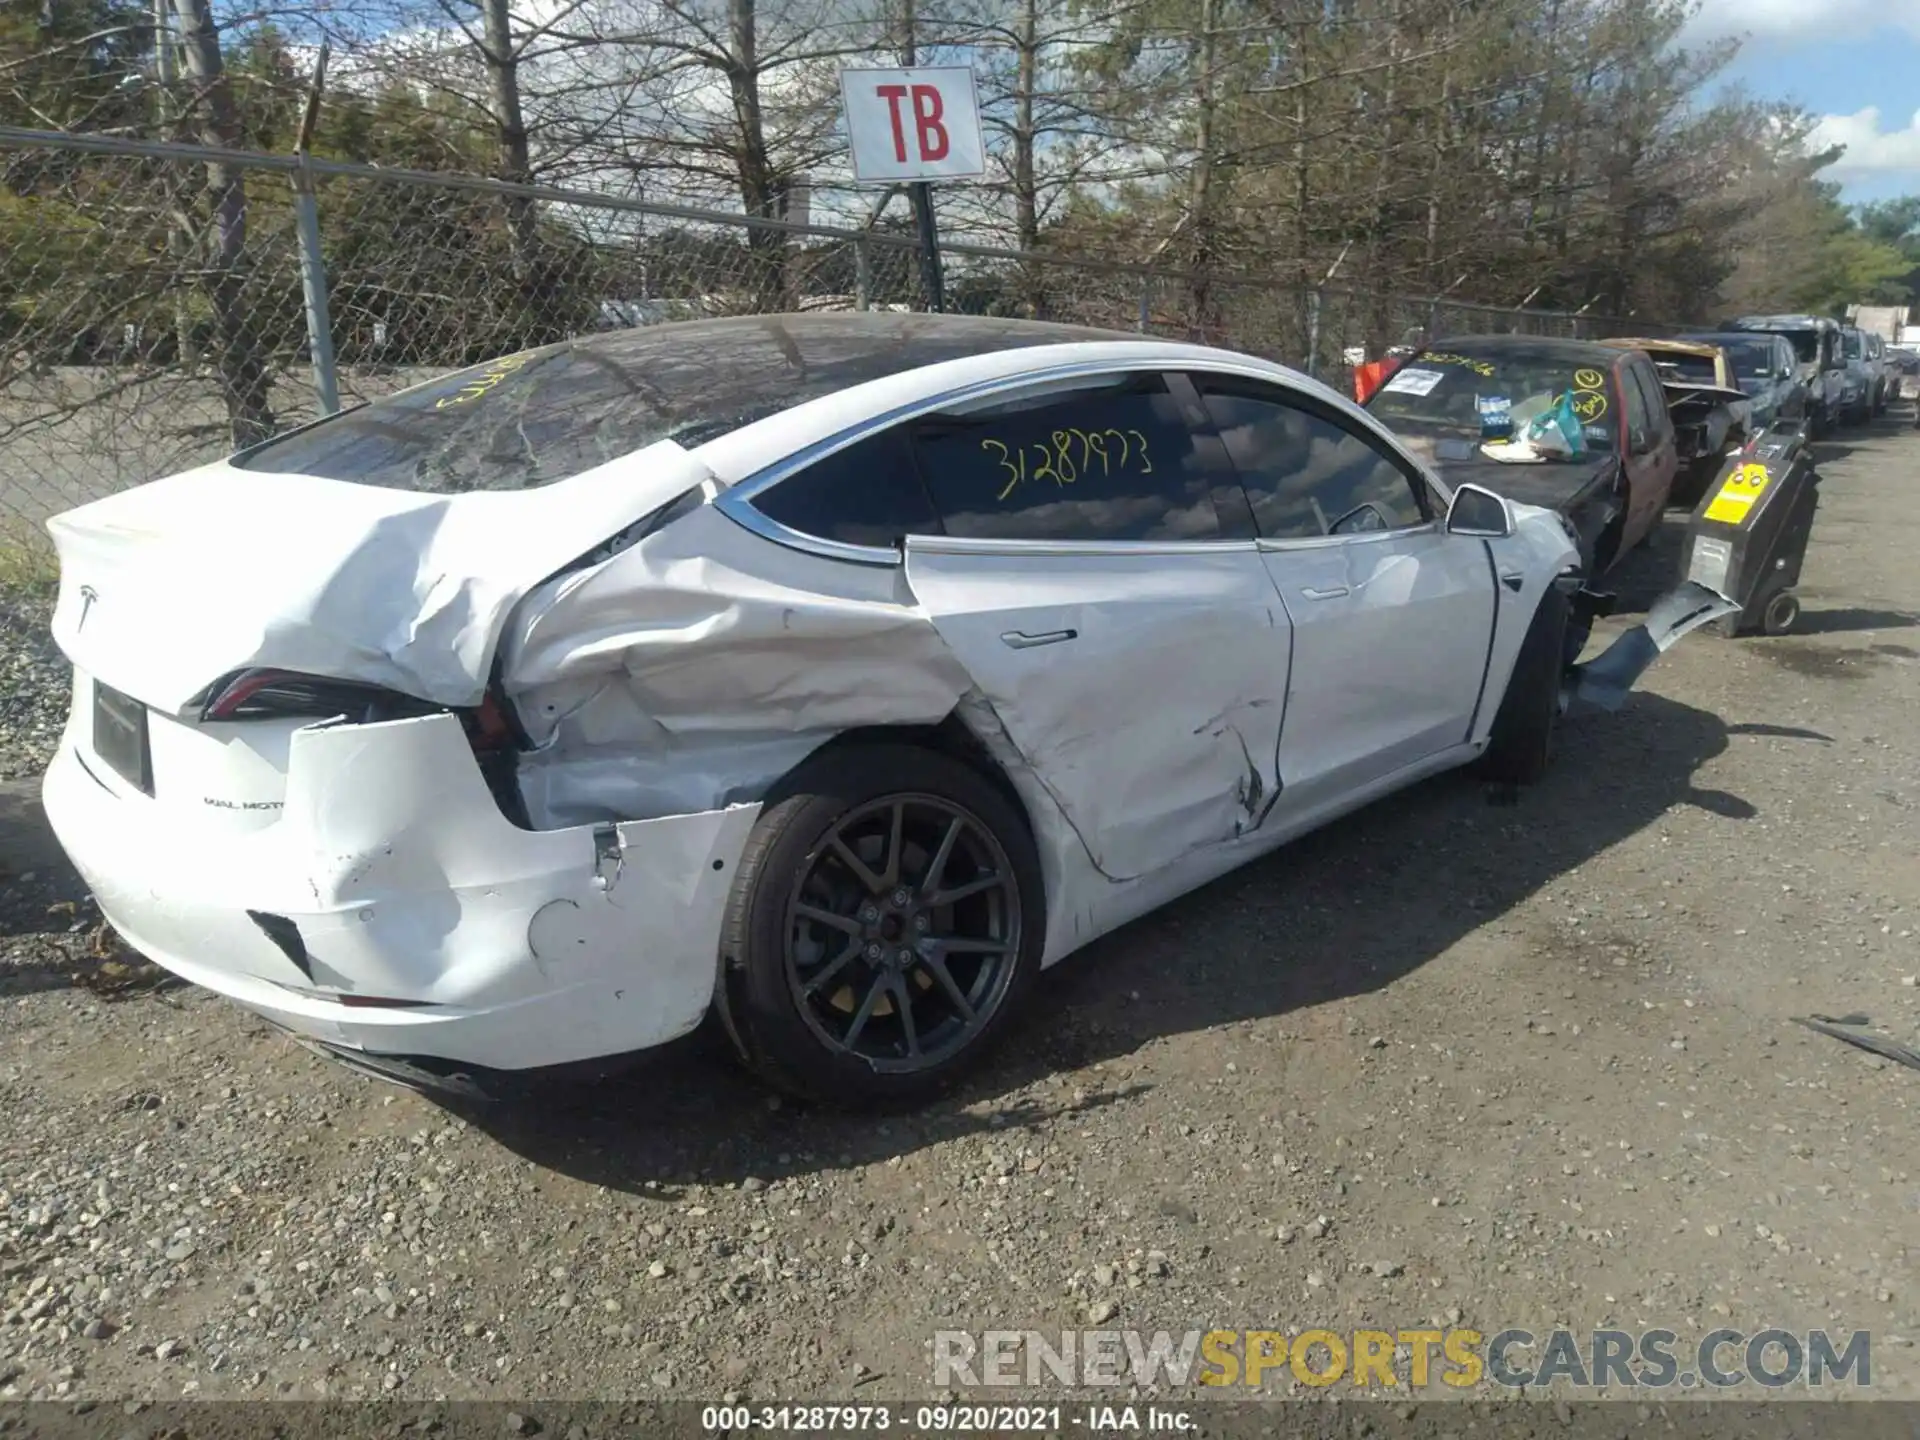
point(87, 596)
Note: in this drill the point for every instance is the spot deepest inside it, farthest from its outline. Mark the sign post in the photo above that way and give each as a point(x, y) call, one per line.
point(932, 279)
point(915, 125)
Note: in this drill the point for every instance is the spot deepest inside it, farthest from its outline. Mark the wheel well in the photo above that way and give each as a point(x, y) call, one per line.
point(950, 737)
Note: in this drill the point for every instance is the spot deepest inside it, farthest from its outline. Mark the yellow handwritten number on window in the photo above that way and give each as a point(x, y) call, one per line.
point(1097, 445)
point(1044, 470)
point(1063, 464)
point(1054, 457)
point(1017, 472)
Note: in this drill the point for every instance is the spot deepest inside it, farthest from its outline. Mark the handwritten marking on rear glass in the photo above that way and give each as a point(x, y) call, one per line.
point(483, 384)
point(1479, 367)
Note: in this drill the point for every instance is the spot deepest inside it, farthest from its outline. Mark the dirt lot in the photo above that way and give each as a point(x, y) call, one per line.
point(1446, 1061)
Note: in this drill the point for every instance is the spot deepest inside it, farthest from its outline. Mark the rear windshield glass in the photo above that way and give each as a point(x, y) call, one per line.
point(1750, 358)
point(1697, 368)
point(1806, 344)
point(543, 415)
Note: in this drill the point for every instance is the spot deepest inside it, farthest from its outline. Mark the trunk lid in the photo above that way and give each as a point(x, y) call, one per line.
point(167, 587)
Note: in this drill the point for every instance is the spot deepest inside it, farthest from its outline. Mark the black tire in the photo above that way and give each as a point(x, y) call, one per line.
point(1781, 613)
point(1520, 745)
point(779, 1027)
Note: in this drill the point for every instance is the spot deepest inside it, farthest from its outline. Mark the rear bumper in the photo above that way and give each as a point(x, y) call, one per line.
point(391, 875)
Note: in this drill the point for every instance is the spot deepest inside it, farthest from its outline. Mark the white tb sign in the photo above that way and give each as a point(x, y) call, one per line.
point(919, 124)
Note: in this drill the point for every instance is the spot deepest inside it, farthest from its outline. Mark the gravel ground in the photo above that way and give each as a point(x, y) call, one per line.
point(1443, 1062)
point(34, 681)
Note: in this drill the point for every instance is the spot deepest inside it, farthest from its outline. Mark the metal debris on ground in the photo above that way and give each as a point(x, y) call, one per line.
point(1890, 1049)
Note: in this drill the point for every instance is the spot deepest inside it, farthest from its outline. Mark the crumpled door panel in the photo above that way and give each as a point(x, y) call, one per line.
point(1145, 689)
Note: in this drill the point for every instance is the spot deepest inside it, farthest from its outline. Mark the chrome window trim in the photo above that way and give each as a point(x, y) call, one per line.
point(1358, 537)
point(985, 545)
point(736, 501)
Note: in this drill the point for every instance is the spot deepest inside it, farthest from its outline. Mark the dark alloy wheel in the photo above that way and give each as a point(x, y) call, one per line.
point(902, 933)
point(886, 916)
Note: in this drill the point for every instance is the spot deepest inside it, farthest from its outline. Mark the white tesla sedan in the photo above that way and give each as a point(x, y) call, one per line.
point(831, 674)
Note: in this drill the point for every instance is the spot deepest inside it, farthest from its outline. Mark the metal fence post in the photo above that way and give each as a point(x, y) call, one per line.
point(862, 274)
point(1146, 303)
point(313, 281)
point(313, 267)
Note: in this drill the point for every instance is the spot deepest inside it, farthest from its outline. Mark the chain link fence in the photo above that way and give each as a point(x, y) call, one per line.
point(161, 305)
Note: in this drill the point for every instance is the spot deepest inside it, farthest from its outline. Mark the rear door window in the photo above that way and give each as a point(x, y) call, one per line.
point(1701, 369)
point(1115, 460)
point(868, 493)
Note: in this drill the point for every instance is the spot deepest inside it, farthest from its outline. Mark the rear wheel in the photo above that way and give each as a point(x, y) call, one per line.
point(886, 919)
point(1520, 745)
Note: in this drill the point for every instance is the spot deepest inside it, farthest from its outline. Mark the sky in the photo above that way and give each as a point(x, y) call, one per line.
point(1853, 63)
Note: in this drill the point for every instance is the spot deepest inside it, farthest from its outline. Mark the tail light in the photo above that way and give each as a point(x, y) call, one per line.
point(282, 694)
point(285, 695)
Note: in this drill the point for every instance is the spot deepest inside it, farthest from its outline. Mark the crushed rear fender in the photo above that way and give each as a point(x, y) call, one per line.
point(1602, 683)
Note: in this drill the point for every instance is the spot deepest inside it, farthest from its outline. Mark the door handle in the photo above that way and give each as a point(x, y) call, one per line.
point(1332, 592)
point(1021, 640)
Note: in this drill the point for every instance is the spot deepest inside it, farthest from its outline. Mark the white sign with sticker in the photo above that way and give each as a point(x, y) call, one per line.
point(1415, 382)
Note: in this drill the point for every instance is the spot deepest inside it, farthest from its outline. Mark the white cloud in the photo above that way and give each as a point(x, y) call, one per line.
point(1871, 150)
point(1788, 20)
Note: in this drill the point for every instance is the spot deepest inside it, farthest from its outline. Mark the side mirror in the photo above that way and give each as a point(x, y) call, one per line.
point(1479, 512)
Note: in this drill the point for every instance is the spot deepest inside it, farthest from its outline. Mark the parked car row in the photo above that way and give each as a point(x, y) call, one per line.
point(1845, 370)
point(1661, 417)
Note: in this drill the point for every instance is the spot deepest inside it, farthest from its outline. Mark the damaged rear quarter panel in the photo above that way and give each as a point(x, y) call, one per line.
point(420, 888)
point(704, 663)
